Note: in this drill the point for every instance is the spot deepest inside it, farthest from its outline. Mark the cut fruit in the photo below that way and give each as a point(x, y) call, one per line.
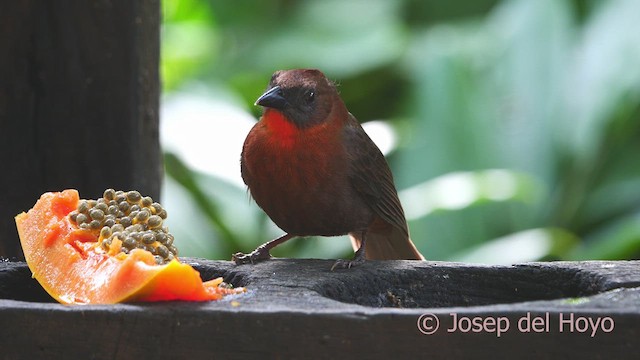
point(75, 266)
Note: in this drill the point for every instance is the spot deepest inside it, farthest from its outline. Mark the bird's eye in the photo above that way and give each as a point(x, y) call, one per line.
point(310, 96)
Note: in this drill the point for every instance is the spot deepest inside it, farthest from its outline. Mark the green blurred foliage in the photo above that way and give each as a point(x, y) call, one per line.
point(546, 91)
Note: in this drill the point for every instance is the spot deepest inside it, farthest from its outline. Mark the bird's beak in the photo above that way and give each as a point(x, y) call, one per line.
point(272, 98)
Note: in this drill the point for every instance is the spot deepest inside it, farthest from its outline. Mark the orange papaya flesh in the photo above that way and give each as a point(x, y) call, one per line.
point(73, 268)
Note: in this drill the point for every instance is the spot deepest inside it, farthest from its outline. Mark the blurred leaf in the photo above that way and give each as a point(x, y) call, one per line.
point(458, 210)
point(195, 236)
point(336, 36)
point(524, 246)
point(531, 41)
point(619, 240)
point(420, 12)
point(616, 177)
point(176, 169)
point(603, 81)
point(605, 69)
point(447, 133)
point(458, 190)
point(189, 41)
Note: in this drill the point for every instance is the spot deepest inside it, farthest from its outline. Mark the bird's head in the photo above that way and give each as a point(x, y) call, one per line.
point(304, 96)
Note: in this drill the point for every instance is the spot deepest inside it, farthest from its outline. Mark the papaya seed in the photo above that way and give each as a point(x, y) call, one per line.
point(133, 197)
point(105, 232)
point(102, 206)
point(154, 222)
point(109, 222)
point(113, 210)
point(146, 201)
point(96, 214)
point(142, 215)
point(81, 219)
point(125, 221)
point(135, 220)
point(129, 242)
point(162, 251)
point(94, 224)
point(124, 206)
point(83, 207)
point(149, 238)
point(109, 194)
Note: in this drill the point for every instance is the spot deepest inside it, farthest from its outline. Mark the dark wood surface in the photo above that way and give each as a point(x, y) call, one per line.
point(79, 93)
point(300, 309)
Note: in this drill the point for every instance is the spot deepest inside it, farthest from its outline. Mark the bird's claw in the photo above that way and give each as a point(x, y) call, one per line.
point(250, 258)
point(347, 264)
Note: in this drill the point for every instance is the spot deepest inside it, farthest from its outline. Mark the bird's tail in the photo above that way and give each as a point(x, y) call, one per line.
point(387, 243)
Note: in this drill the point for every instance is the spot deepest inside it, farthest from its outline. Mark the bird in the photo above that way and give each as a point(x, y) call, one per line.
point(311, 167)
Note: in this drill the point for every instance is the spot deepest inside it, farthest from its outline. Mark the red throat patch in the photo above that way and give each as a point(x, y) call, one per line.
point(280, 127)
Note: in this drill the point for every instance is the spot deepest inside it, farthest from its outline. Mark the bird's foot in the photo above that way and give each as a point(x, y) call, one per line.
point(347, 264)
point(358, 259)
point(261, 253)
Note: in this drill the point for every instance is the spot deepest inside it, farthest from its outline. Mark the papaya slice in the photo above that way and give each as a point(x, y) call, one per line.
point(77, 264)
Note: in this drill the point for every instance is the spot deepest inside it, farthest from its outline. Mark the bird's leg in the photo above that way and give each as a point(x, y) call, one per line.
point(261, 252)
point(358, 257)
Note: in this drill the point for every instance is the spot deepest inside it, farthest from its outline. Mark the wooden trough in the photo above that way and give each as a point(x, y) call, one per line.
point(300, 309)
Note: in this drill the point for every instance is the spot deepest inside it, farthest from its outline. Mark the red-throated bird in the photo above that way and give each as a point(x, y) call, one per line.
point(311, 167)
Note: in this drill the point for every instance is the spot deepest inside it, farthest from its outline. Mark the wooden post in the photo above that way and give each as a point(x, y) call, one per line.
point(79, 93)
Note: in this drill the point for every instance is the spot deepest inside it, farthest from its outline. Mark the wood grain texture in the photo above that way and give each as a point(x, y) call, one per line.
point(79, 95)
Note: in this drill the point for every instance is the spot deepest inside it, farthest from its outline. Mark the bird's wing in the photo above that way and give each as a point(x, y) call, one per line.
point(370, 175)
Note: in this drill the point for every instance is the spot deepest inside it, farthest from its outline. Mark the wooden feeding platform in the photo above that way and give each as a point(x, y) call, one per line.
point(297, 308)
